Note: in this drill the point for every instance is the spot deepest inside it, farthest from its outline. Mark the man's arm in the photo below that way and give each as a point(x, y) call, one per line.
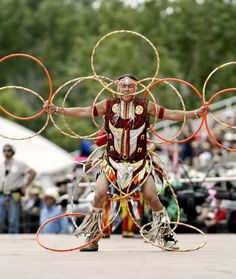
point(175, 115)
point(30, 175)
point(78, 112)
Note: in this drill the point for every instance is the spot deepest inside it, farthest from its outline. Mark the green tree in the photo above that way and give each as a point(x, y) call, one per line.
point(192, 38)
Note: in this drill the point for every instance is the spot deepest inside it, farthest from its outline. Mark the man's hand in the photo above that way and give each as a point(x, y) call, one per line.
point(49, 107)
point(30, 176)
point(23, 189)
point(203, 110)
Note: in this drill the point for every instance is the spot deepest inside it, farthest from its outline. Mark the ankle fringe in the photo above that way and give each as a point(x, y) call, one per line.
point(160, 227)
point(91, 225)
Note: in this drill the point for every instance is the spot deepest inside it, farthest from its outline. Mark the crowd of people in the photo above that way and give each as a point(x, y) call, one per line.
point(25, 205)
point(200, 152)
point(23, 208)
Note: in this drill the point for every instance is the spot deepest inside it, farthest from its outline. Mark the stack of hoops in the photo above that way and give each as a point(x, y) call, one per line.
point(107, 84)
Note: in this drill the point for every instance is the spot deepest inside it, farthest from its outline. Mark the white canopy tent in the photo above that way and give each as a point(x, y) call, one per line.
point(39, 153)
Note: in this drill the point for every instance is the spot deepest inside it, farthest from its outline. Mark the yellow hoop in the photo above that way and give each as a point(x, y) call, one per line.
point(204, 93)
point(37, 95)
point(175, 250)
point(105, 85)
point(75, 136)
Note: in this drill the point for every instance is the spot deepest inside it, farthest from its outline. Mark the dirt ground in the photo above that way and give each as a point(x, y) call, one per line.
point(22, 257)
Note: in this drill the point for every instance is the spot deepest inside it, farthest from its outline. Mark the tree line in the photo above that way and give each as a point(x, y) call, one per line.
point(192, 38)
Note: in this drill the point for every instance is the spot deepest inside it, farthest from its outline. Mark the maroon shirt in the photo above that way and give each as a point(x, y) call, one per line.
point(127, 138)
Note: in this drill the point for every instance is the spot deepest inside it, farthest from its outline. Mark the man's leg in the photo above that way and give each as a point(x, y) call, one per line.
point(3, 213)
point(100, 191)
point(106, 218)
point(14, 209)
point(128, 225)
point(161, 230)
point(93, 222)
point(150, 195)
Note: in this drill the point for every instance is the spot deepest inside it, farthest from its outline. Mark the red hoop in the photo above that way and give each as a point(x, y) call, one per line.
point(49, 81)
point(195, 90)
point(206, 123)
point(65, 250)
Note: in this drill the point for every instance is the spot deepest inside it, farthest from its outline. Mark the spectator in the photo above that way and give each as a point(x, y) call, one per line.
point(85, 148)
point(15, 177)
point(49, 210)
point(219, 215)
point(186, 151)
point(31, 210)
point(205, 157)
point(62, 184)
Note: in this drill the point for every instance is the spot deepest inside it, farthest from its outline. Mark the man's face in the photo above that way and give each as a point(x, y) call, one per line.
point(49, 201)
point(7, 151)
point(126, 86)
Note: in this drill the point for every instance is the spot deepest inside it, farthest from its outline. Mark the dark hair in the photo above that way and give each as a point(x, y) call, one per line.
point(127, 75)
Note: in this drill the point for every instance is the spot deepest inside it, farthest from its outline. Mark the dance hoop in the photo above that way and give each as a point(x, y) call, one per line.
point(175, 250)
point(98, 95)
point(128, 194)
point(156, 119)
point(72, 134)
point(126, 204)
point(48, 78)
point(213, 116)
point(70, 249)
point(104, 84)
point(78, 179)
point(93, 116)
point(72, 215)
point(210, 75)
point(24, 89)
point(207, 126)
point(201, 123)
point(51, 115)
point(229, 89)
point(24, 118)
